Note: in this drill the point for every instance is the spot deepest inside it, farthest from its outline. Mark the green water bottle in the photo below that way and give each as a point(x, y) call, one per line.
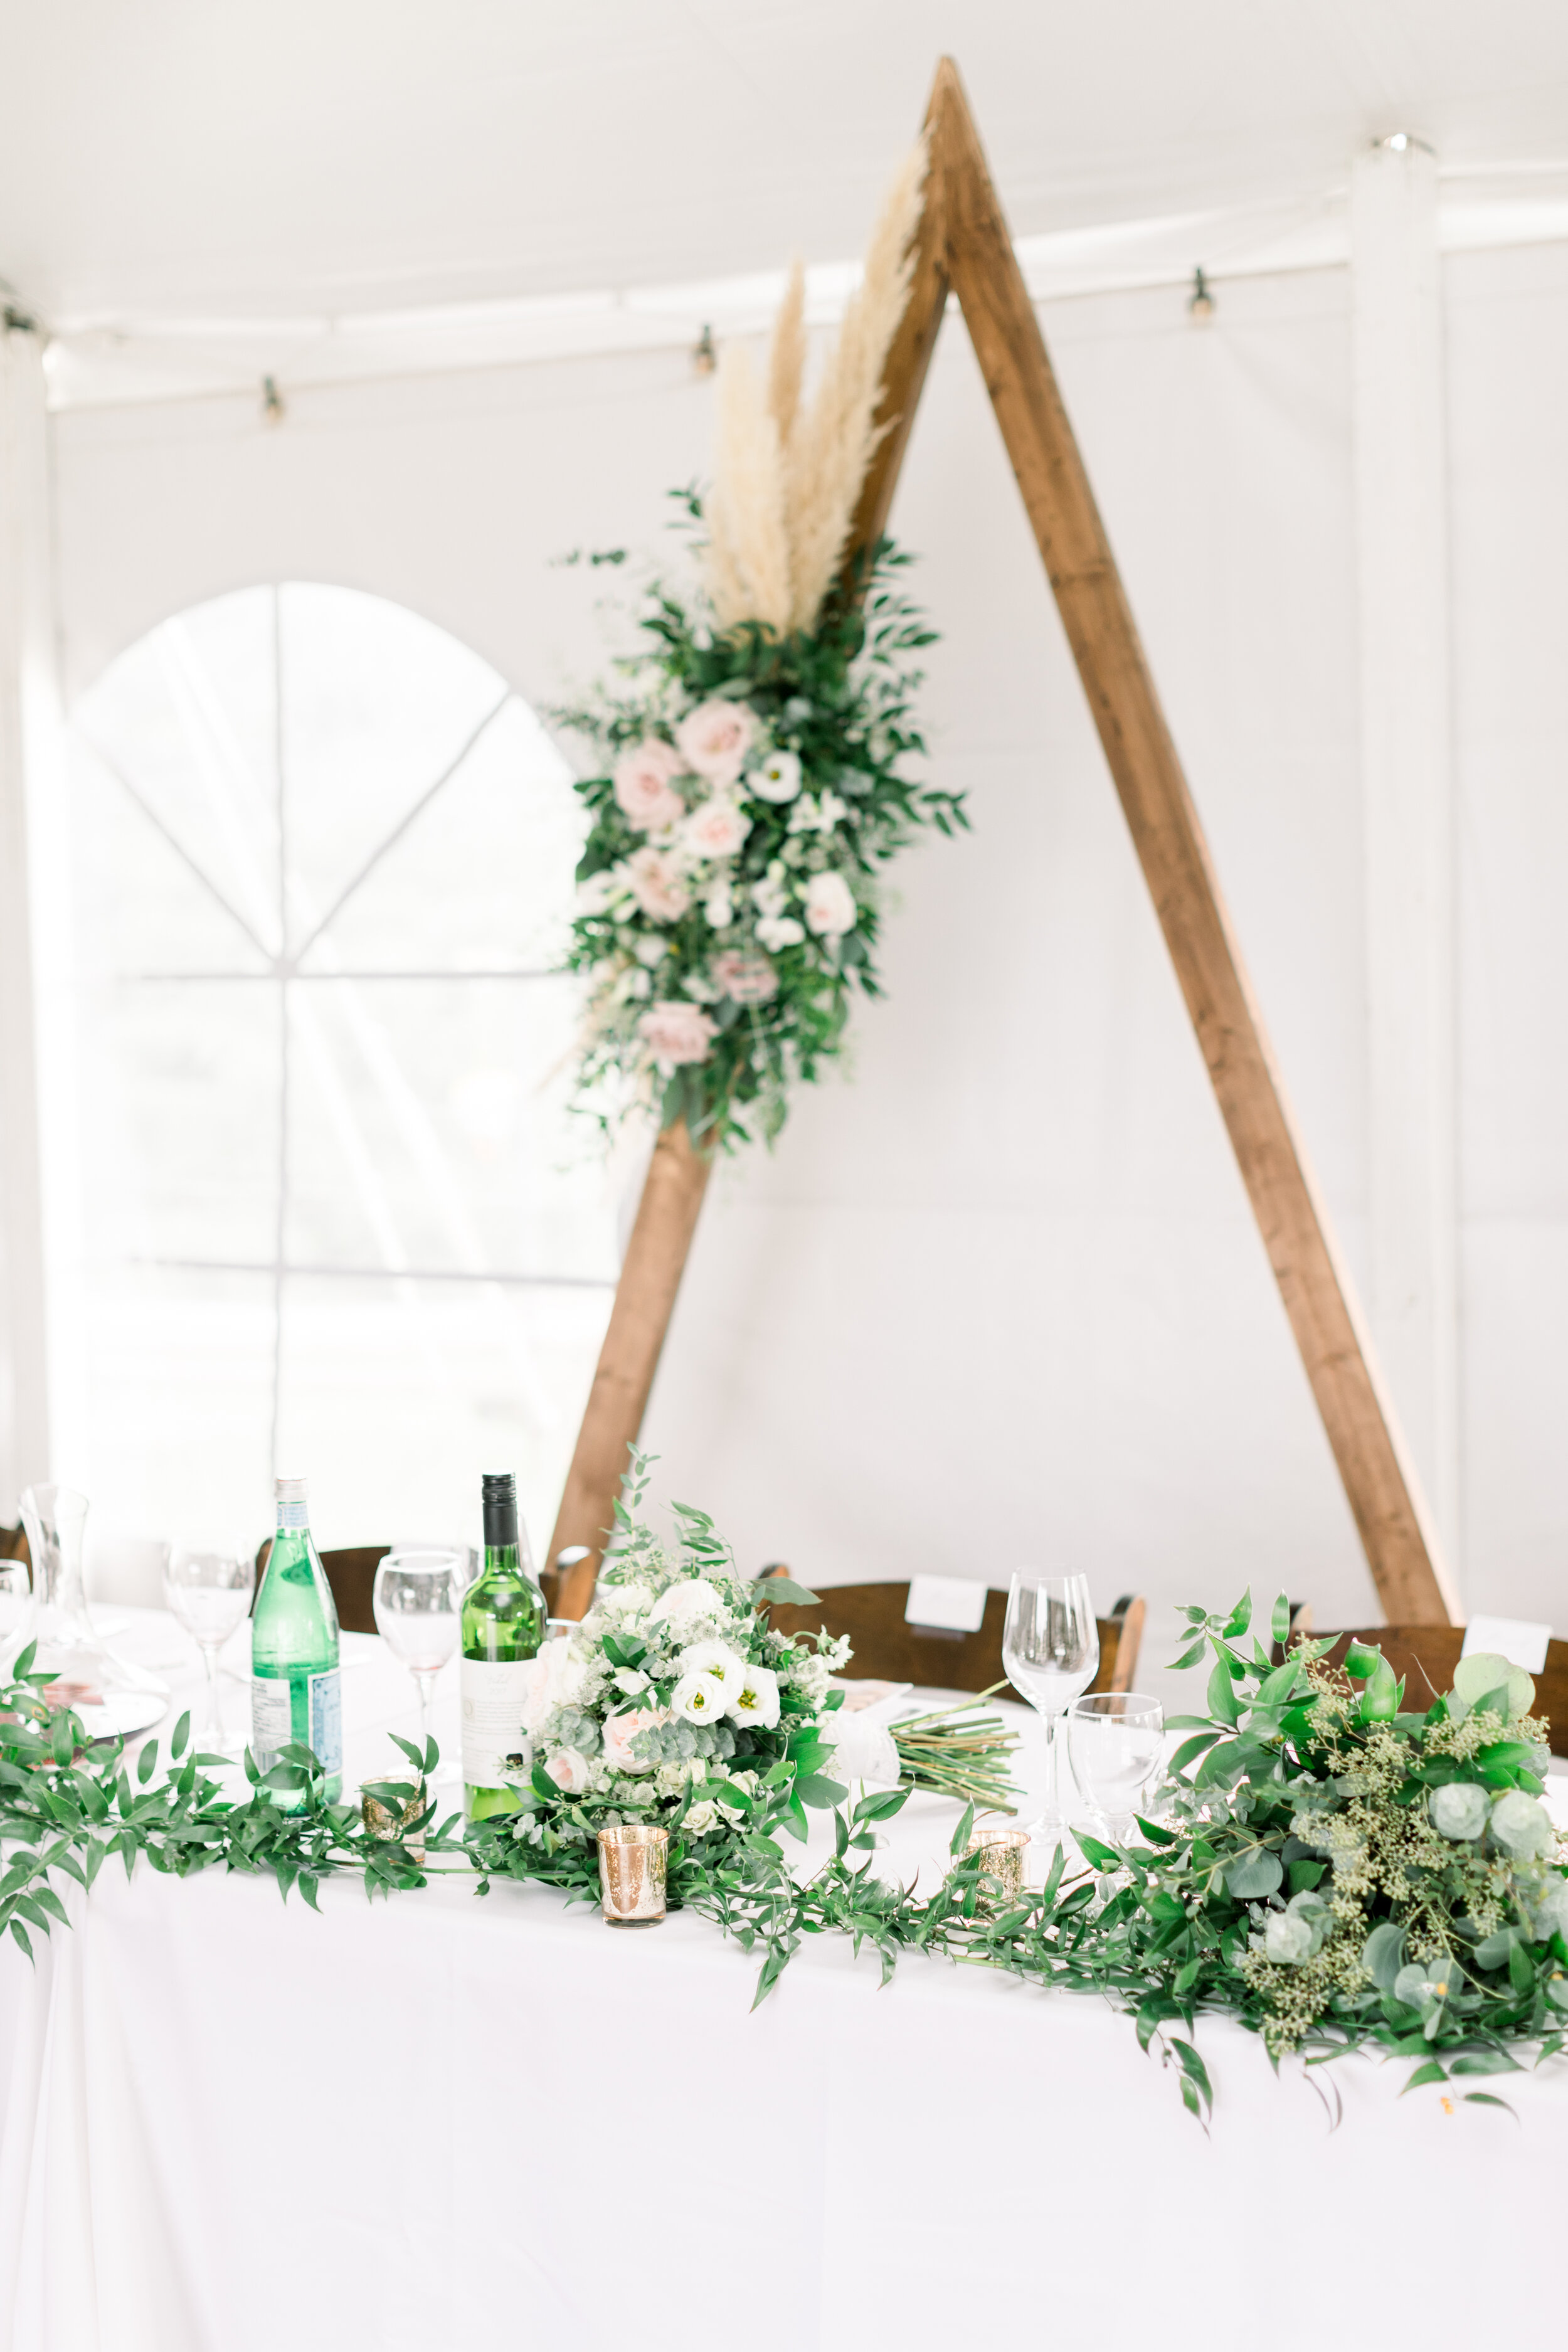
point(503, 1629)
point(296, 1693)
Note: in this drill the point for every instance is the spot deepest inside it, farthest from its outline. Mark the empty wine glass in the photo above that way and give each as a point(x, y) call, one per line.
point(1115, 1739)
point(1050, 1647)
point(208, 1589)
point(418, 1599)
point(16, 1593)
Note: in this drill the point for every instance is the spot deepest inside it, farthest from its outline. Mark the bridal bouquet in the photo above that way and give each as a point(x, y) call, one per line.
point(673, 1702)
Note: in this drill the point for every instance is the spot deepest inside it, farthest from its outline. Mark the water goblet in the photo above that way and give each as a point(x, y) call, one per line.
point(1115, 1739)
point(418, 1601)
point(1050, 1647)
point(208, 1588)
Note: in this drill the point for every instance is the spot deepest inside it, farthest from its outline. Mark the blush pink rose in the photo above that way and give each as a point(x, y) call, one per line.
point(644, 785)
point(658, 884)
point(717, 829)
point(676, 1032)
point(568, 1770)
point(829, 906)
point(620, 1730)
point(750, 980)
point(715, 738)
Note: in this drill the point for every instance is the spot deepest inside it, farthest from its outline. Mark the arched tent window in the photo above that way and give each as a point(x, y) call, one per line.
point(335, 1214)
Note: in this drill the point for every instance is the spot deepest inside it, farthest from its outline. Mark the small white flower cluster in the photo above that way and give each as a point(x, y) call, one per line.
point(670, 1682)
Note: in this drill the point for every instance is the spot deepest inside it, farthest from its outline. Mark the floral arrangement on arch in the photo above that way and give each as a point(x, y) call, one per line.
point(755, 756)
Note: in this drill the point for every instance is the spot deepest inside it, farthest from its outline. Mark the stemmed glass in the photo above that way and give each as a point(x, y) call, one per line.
point(208, 1589)
point(1050, 1647)
point(16, 1593)
point(418, 1601)
point(1115, 1739)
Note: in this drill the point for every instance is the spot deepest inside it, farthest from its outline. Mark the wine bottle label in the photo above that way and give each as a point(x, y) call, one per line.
point(495, 1700)
point(272, 1718)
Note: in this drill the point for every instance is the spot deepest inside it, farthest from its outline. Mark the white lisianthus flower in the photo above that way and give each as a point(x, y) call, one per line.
point(686, 1602)
point(700, 1698)
point(651, 950)
point(756, 1700)
point(569, 1771)
point(771, 895)
point(720, 908)
point(776, 778)
point(1458, 1811)
point(778, 932)
point(830, 909)
point(714, 1658)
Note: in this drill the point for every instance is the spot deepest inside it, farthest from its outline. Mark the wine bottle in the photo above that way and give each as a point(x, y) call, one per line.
point(503, 1627)
point(295, 1690)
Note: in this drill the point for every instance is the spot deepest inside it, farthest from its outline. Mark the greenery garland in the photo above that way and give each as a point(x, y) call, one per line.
point(1325, 1868)
point(753, 786)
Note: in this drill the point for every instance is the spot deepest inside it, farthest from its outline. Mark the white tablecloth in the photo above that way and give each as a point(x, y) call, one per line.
point(441, 2121)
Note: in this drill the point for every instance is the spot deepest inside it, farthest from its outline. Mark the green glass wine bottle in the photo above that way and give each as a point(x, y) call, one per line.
point(503, 1628)
point(295, 1691)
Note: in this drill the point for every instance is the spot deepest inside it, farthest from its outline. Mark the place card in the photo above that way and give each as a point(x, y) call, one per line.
point(1518, 1638)
point(953, 1604)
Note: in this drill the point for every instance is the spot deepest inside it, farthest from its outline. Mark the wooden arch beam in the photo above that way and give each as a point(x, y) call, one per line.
point(964, 245)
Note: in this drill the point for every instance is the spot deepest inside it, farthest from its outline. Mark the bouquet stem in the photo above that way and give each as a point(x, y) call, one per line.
point(959, 1752)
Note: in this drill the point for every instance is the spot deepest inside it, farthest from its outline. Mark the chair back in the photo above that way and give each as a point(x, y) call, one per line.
point(886, 1649)
point(14, 1545)
point(352, 1576)
point(1426, 1655)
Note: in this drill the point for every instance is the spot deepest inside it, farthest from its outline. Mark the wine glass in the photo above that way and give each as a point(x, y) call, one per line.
point(208, 1589)
point(1115, 1739)
point(16, 1593)
point(418, 1601)
point(1050, 1647)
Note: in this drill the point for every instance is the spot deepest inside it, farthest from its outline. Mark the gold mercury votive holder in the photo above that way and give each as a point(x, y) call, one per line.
point(632, 1861)
point(1002, 1855)
point(381, 1822)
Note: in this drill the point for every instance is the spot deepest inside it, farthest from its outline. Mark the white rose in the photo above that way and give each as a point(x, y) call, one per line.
point(684, 1603)
point(830, 909)
point(755, 1700)
point(1552, 1911)
point(569, 1771)
point(776, 778)
point(701, 1819)
point(720, 909)
point(700, 1698)
point(629, 1679)
point(776, 932)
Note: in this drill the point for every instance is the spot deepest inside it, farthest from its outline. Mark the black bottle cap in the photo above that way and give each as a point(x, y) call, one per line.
point(499, 1491)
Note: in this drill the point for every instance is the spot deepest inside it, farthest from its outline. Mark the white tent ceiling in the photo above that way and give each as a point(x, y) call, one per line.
point(180, 168)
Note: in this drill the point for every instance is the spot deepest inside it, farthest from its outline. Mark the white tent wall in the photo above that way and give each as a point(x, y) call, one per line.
point(1001, 1296)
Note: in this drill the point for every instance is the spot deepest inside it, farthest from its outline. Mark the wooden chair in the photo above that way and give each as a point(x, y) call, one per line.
point(1426, 1655)
point(351, 1575)
point(886, 1649)
point(14, 1545)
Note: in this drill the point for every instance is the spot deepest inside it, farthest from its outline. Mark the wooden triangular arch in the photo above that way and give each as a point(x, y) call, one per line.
point(964, 245)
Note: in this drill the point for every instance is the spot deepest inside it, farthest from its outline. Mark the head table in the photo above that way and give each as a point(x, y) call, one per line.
point(439, 2121)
